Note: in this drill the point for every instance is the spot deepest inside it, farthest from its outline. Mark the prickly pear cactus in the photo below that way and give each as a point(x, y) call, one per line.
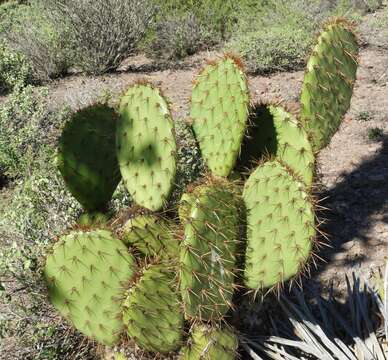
point(152, 236)
point(208, 251)
point(146, 147)
point(328, 82)
point(87, 274)
point(87, 158)
point(281, 228)
point(92, 219)
point(219, 112)
point(279, 133)
point(152, 311)
point(184, 206)
point(207, 343)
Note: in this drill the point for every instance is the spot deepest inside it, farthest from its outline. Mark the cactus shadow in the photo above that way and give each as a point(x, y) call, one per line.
point(355, 204)
point(260, 139)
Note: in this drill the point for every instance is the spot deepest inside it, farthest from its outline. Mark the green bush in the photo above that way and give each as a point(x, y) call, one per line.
point(44, 44)
point(283, 47)
point(14, 69)
point(27, 131)
point(177, 36)
point(102, 33)
point(279, 35)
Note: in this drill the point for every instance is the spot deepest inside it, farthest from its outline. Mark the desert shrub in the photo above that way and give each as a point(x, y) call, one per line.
point(102, 32)
point(29, 326)
point(183, 28)
point(44, 44)
point(279, 49)
point(280, 37)
point(177, 36)
point(14, 69)
point(27, 131)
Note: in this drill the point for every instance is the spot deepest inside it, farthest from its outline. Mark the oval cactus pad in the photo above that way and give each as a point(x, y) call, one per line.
point(87, 156)
point(152, 311)
point(281, 226)
point(219, 112)
point(208, 252)
point(328, 82)
point(87, 274)
point(146, 147)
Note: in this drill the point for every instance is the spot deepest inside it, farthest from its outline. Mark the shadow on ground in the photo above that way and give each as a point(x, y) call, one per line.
point(355, 205)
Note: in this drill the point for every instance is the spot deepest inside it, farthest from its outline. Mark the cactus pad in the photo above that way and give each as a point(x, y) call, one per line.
point(328, 82)
point(146, 147)
point(208, 343)
point(281, 228)
point(152, 236)
point(93, 219)
point(208, 252)
point(219, 111)
point(277, 132)
point(152, 312)
point(86, 275)
point(87, 157)
point(185, 205)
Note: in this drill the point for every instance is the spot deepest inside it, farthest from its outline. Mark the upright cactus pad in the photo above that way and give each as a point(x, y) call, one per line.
point(92, 219)
point(185, 205)
point(152, 236)
point(87, 274)
point(281, 227)
point(207, 343)
point(328, 82)
point(146, 147)
point(152, 312)
point(219, 111)
point(208, 252)
point(277, 132)
point(87, 157)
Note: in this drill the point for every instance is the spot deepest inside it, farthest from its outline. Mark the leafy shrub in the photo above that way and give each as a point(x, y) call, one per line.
point(280, 36)
point(102, 32)
point(278, 49)
point(177, 36)
point(184, 27)
point(44, 44)
point(27, 129)
point(14, 69)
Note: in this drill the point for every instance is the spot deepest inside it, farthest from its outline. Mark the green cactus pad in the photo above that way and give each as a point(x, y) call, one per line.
point(87, 158)
point(146, 146)
point(86, 275)
point(185, 205)
point(328, 82)
point(281, 228)
point(208, 252)
point(219, 111)
point(208, 343)
point(152, 311)
point(277, 132)
point(93, 219)
point(152, 236)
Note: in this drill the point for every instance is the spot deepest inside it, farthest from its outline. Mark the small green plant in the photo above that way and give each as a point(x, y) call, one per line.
point(364, 116)
point(375, 134)
point(14, 69)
